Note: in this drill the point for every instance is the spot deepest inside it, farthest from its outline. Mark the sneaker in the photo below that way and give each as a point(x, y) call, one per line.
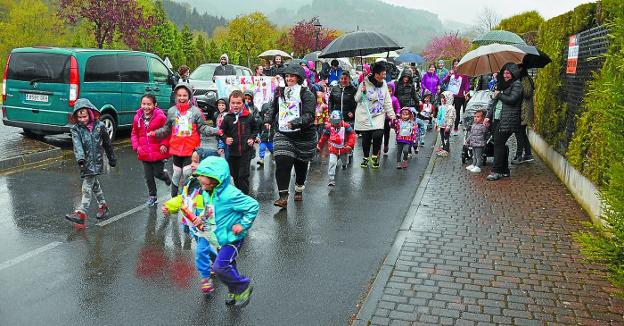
point(404, 164)
point(375, 160)
point(527, 159)
point(364, 163)
point(230, 299)
point(455, 132)
point(102, 211)
point(516, 160)
point(151, 201)
point(494, 176)
point(260, 162)
point(470, 167)
point(506, 174)
point(242, 299)
point(77, 217)
point(475, 169)
point(409, 156)
point(206, 286)
point(416, 150)
point(331, 183)
point(385, 150)
point(422, 143)
point(399, 165)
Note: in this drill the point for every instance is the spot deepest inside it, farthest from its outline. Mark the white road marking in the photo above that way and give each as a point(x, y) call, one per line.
point(130, 212)
point(30, 254)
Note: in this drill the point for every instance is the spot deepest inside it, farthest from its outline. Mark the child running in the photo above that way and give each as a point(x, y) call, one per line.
point(476, 140)
point(234, 214)
point(199, 221)
point(90, 140)
point(185, 123)
point(444, 121)
point(239, 131)
point(150, 150)
point(340, 139)
point(406, 136)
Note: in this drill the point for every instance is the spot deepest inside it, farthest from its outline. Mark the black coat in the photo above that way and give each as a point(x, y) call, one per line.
point(241, 129)
point(406, 93)
point(305, 122)
point(224, 70)
point(511, 98)
point(343, 99)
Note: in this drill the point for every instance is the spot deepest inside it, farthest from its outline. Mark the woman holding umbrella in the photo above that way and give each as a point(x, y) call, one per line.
point(509, 120)
point(294, 145)
point(373, 105)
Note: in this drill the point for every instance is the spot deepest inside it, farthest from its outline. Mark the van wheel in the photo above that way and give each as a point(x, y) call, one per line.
point(110, 124)
point(28, 133)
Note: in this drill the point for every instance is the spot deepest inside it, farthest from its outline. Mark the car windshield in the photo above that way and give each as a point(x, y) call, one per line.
point(203, 73)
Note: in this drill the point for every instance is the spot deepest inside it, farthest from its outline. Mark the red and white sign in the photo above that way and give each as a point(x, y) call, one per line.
point(573, 50)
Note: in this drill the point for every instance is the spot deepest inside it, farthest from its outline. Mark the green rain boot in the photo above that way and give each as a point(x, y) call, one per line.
point(375, 160)
point(364, 163)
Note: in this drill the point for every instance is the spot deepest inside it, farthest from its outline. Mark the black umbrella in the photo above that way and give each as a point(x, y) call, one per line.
point(534, 58)
point(360, 43)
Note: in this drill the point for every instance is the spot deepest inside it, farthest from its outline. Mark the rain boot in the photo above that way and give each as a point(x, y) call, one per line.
point(299, 192)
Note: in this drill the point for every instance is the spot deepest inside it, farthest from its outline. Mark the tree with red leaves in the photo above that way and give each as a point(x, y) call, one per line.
point(108, 18)
point(449, 46)
point(303, 36)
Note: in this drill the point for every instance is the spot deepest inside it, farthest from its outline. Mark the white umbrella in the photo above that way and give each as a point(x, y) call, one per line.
point(393, 54)
point(270, 54)
point(488, 59)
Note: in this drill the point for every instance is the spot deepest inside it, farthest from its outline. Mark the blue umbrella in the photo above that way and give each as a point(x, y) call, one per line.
point(410, 57)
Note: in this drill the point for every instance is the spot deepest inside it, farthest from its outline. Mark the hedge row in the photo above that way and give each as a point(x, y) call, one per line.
point(597, 145)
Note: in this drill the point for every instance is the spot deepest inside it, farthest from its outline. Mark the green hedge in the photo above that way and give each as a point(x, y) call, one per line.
point(552, 38)
point(597, 146)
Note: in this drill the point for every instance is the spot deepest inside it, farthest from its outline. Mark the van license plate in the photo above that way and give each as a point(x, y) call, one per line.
point(36, 97)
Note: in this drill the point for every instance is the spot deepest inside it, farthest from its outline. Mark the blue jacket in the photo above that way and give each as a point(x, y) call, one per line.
point(334, 75)
point(231, 206)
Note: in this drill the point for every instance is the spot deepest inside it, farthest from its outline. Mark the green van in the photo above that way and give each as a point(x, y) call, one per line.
point(41, 85)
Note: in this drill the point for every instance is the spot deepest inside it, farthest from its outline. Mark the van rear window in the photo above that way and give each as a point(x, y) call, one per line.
point(39, 67)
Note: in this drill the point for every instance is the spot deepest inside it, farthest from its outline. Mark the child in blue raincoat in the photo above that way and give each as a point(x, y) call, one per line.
point(234, 213)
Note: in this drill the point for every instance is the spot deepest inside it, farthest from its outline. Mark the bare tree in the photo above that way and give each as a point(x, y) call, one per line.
point(487, 20)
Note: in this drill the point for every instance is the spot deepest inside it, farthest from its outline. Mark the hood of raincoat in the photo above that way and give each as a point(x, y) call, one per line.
point(295, 69)
point(391, 87)
point(217, 168)
point(83, 103)
point(406, 72)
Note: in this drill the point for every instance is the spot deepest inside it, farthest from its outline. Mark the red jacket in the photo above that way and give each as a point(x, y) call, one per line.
point(148, 148)
point(339, 141)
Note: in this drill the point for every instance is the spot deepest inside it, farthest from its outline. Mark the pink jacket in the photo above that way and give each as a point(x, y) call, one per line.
point(148, 148)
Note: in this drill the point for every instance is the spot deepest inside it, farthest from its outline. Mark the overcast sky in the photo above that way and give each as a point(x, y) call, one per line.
point(466, 11)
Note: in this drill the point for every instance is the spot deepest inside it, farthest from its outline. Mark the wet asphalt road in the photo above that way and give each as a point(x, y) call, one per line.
point(310, 265)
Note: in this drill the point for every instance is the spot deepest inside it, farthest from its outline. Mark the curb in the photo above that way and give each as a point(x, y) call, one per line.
point(17, 161)
point(365, 314)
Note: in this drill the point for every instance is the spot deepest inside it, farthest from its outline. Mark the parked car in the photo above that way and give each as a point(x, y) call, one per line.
point(205, 89)
point(42, 84)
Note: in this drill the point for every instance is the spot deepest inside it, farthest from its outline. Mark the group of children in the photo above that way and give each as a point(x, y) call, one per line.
point(217, 213)
point(210, 188)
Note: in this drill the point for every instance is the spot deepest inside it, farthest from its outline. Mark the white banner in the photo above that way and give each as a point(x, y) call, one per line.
point(263, 87)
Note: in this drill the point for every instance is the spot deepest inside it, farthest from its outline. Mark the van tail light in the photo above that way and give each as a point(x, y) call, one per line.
point(74, 81)
point(6, 70)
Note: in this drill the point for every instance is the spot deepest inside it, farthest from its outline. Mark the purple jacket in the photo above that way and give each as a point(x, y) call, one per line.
point(429, 82)
point(465, 83)
point(395, 101)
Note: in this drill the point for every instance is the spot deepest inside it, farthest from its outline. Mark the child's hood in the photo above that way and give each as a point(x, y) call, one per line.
point(250, 93)
point(449, 97)
point(83, 103)
point(217, 168)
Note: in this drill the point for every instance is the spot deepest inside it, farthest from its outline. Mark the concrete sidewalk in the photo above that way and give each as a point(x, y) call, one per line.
point(473, 252)
point(17, 150)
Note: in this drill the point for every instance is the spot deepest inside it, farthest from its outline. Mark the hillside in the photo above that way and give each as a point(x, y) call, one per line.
point(185, 13)
point(410, 27)
point(233, 8)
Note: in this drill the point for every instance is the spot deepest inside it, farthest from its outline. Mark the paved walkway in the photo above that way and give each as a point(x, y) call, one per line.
point(473, 252)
